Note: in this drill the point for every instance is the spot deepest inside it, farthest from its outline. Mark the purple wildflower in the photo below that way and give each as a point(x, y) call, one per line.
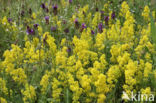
point(55, 9)
point(44, 39)
point(53, 29)
point(97, 9)
point(83, 27)
point(36, 25)
point(43, 6)
point(30, 31)
point(113, 15)
point(100, 26)
point(9, 20)
point(102, 12)
point(68, 49)
point(66, 30)
point(106, 19)
point(70, 1)
point(76, 23)
point(47, 19)
point(92, 32)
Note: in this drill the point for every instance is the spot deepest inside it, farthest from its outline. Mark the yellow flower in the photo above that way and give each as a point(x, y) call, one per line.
point(113, 74)
point(146, 12)
point(95, 20)
point(146, 91)
point(115, 52)
point(85, 83)
point(5, 21)
point(100, 83)
point(74, 87)
point(103, 61)
point(35, 41)
point(3, 87)
point(19, 76)
point(2, 100)
point(56, 91)
point(40, 30)
point(94, 74)
point(100, 39)
point(80, 72)
point(45, 82)
point(148, 57)
point(86, 35)
point(29, 93)
point(63, 41)
point(33, 15)
point(148, 69)
point(124, 8)
point(101, 98)
point(51, 42)
point(130, 73)
point(86, 56)
point(61, 57)
point(63, 3)
point(123, 59)
point(71, 60)
point(59, 25)
point(80, 45)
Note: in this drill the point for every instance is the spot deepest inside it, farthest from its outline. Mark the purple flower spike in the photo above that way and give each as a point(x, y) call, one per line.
point(100, 26)
point(76, 20)
point(76, 23)
point(113, 15)
point(102, 12)
point(92, 32)
point(9, 20)
point(30, 31)
point(53, 29)
point(66, 30)
point(68, 49)
point(97, 9)
point(83, 27)
point(47, 19)
point(106, 19)
point(36, 25)
point(70, 1)
point(43, 6)
point(55, 9)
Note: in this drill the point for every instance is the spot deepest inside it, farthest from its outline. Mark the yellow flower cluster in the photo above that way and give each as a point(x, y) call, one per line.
point(2, 100)
point(146, 13)
point(45, 82)
point(3, 87)
point(29, 94)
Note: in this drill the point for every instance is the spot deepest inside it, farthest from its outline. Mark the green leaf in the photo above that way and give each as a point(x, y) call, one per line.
point(67, 96)
point(153, 29)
